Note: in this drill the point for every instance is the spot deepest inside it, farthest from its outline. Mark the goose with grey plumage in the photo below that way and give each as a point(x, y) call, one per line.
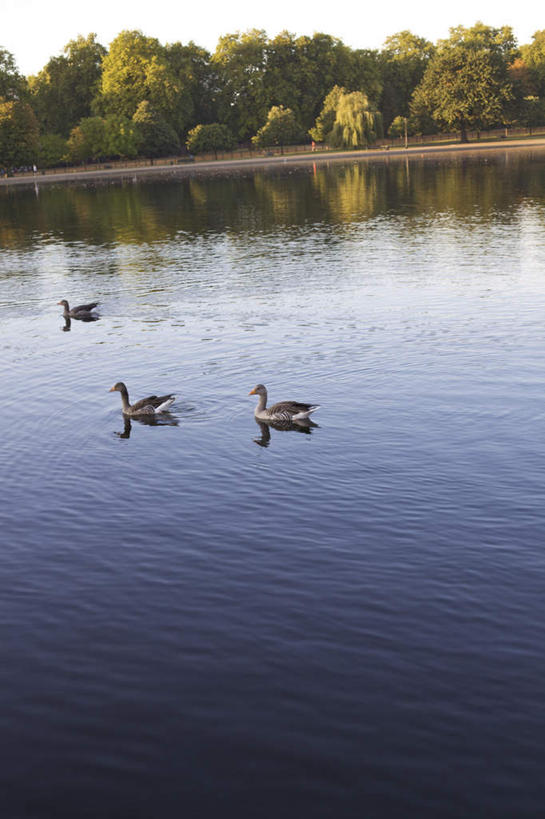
point(283, 411)
point(152, 405)
point(84, 312)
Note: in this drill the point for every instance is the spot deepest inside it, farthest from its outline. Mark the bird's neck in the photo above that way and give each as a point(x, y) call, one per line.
point(125, 399)
point(262, 403)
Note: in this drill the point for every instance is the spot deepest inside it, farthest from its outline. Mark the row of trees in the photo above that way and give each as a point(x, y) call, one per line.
point(140, 97)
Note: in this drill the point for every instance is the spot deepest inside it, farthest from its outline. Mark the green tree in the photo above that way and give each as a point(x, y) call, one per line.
point(300, 71)
point(357, 124)
point(403, 61)
point(121, 137)
point(155, 135)
point(12, 84)
point(325, 62)
point(19, 134)
point(326, 119)
point(137, 70)
point(534, 58)
point(283, 77)
point(400, 126)
point(197, 82)
point(53, 151)
point(62, 92)
point(467, 83)
point(242, 96)
point(207, 138)
point(365, 72)
point(280, 129)
point(87, 140)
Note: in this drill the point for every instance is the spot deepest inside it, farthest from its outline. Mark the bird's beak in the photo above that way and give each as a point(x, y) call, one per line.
point(112, 389)
point(59, 302)
point(252, 392)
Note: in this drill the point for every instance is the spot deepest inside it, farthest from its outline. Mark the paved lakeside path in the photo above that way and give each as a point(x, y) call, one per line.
point(319, 157)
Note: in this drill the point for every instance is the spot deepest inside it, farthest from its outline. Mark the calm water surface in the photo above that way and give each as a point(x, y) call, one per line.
point(209, 618)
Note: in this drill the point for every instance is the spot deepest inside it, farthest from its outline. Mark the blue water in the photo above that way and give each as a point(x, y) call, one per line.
point(204, 617)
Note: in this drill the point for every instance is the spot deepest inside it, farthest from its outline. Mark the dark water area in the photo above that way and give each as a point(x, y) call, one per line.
point(206, 617)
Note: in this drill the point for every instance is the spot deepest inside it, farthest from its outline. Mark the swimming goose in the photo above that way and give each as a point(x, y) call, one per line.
point(283, 411)
point(152, 405)
point(82, 311)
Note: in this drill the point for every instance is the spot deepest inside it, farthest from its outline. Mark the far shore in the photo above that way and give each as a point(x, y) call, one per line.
point(309, 158)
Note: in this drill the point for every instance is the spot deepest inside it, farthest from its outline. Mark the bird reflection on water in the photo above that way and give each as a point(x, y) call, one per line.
point(305, 426)
point(68, 321)
point(166, 419)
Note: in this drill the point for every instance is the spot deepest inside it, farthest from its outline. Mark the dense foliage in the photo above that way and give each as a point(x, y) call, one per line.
point(347, 120)
point(210, 138)
point(280, 129)
point(466, 83)
point(141, 98)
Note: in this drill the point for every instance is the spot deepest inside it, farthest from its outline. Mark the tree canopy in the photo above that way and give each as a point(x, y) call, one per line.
point(403, 61)
point(357, 124)
point(207, 138)
point(152, 98)
point(466, 83)
point(347, 120)
point(533, 56)
point(63, 91)
point(13, 85)
point(280, 129)
point(19, 134)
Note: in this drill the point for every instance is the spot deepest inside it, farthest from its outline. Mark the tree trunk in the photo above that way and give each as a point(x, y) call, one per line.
point(463, 131)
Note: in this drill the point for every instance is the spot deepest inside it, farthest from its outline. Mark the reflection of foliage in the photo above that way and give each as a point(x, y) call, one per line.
point(256, 204)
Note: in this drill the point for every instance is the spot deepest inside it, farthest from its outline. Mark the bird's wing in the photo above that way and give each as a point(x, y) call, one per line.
point(85, 308)
point(144, 402)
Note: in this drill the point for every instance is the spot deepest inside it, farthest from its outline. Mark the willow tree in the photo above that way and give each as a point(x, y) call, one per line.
point(326, 118)
point(347, 120)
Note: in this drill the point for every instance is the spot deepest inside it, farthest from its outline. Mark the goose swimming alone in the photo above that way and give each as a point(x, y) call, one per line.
point(152, 405)
point(82, 311)
point(283, 411)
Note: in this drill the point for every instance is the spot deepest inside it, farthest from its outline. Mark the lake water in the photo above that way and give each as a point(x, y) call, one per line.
point(207, 618)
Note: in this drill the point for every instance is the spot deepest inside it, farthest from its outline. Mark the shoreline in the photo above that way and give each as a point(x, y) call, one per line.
point(321, 157)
